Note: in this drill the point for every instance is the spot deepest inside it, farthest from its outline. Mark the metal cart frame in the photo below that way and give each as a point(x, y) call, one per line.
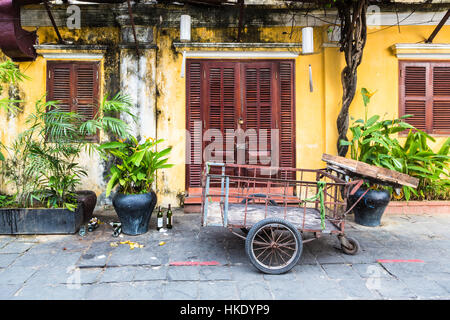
point(276, 207)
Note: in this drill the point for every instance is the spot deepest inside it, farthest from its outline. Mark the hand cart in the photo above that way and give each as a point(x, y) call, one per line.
point(277, 209)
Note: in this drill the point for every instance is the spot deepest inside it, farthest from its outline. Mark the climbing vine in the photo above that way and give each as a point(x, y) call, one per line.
point(352, 15)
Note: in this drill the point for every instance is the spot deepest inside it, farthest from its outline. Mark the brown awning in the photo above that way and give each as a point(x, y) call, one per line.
point(15, 42)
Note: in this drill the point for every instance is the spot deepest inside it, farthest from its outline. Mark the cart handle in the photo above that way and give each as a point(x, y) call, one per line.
point(356, 202)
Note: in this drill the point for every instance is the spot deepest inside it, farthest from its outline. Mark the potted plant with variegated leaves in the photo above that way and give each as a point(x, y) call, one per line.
point(134, 174)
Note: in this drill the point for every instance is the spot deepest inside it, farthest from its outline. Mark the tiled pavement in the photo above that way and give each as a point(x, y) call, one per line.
point(75, 267)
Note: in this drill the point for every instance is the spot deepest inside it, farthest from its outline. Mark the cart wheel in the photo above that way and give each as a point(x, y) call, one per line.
point(274, 246)
point(252, 201)
point(352, 249)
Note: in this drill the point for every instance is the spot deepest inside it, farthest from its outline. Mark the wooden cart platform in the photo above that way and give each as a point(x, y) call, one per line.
point(306, 219)
point(370, 172)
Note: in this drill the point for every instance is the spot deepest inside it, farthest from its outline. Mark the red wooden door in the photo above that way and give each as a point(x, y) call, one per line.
point(221, 112)
point(244, 113)
point(259, 115)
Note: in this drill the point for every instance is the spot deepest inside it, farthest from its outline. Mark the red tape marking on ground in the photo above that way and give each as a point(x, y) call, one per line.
point(194, 263)
point(398, 260)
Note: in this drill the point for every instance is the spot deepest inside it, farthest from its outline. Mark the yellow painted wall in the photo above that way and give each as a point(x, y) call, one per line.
point(378, 71)
point(316, 111)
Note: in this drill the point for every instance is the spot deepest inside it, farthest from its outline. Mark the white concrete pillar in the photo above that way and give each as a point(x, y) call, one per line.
point(137, 79)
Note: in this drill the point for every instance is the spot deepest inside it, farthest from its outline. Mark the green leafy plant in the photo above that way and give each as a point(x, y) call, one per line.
point(7, 201)
point(136, 164)
point(375, 142)
point(10, 75)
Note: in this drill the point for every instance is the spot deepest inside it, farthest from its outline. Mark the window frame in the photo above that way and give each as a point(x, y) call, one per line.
point(199, 101)
point(429, 97)
point(73, 78)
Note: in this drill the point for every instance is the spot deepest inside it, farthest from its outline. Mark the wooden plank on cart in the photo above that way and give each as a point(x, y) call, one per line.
point(370, 171)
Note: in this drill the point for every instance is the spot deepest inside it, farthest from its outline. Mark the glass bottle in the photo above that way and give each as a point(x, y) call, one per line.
point(169, 218)
point(159, 219)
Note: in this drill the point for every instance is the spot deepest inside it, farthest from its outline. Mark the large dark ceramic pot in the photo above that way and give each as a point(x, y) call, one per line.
point(134, 211)
point(88, 200)
point(370, 208)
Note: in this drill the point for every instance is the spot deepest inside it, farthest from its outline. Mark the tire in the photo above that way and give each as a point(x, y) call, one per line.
point(284, 233)
point(257, 195)
point(354, 249)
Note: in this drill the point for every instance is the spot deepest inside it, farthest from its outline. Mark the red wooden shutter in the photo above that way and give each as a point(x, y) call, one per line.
point(194, 122)
point(221, 92)
point(86, 89)
point(287, 116)
point(221, 105)
point(59, 84)
point(413, 93)
point(258, 108)
point(441, 98)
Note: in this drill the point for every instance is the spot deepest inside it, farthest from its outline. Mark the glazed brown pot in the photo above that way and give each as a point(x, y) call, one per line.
point(88, 200)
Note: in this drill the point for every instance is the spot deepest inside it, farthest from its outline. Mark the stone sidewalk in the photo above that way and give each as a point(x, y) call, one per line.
point(75, 267)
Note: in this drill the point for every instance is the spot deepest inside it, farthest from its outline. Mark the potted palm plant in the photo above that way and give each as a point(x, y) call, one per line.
point(41, 167)
point(41, 170)
point(116, 128)
point(134, 174)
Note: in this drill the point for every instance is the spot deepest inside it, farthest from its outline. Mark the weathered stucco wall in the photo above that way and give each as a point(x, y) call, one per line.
point(162, 89)
point(35, 88)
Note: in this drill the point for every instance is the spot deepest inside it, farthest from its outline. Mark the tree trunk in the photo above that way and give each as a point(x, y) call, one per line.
point(352, 15)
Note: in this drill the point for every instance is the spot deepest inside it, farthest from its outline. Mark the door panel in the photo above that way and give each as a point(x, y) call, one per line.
point(241, 102)
point(221, 112)
point(286, 113)
point(259, 111)
point(194, 120)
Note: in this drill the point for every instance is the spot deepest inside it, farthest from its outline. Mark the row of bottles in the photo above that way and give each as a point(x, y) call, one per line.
point(160, 219)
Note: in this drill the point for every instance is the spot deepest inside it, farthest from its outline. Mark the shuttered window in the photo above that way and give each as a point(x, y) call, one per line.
point(194, 123)
point(425, 93)
point(75, 85)
point(253, 96)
